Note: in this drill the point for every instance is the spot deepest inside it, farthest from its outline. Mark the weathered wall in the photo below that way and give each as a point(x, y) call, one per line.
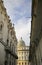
point(2, 54)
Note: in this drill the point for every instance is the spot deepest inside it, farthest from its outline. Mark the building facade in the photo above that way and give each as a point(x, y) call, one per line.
point(35, 54)
point(8, 40)
point(23, 53)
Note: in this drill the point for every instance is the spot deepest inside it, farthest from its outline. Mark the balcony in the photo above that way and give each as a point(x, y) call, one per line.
point(8, 49)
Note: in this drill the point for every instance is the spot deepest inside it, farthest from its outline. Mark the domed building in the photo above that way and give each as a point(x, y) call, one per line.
point(21, 43)
point(23, 53)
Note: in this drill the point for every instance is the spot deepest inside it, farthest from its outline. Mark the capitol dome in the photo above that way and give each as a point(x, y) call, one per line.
point(21, 43)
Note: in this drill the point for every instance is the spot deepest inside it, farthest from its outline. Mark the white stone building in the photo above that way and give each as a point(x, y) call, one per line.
point(8, 40)
point(23, 53)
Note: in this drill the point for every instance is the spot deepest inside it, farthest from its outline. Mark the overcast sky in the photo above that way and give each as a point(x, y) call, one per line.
point(20, 14)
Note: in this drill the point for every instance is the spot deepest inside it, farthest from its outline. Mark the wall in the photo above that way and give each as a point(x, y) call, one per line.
point(2, 54)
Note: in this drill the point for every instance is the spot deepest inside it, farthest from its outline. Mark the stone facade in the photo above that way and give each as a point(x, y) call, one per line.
point(35, 54)
point(23, 53)
point(8, 40)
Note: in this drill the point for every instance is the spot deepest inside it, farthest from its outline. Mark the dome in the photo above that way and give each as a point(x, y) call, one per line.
point(21, 43)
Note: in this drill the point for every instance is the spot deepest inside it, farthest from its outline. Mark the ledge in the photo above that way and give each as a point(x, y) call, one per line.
point(3, 43)
point(8, 50)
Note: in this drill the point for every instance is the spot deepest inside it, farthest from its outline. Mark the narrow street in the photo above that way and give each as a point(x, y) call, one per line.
point(20, 32)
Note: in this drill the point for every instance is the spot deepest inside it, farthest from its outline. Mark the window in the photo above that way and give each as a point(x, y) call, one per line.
point(26, 57)
point(22, 57)
point(22, 53)
point(1, 25)
point(5, 62)
point(22, 63)
point(10, 42)
point(25, 53)
point(19, 63)
point(1, 12)
point(19, 53)
point(19, 58)
point(11, 32)
point(7, 41)
point(25, 63)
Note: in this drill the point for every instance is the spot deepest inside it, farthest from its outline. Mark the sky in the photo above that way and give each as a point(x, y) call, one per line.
point(20, 14)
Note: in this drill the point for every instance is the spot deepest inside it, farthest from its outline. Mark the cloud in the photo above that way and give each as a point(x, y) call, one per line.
point(22, 28)
point(19, 11)
point(16, 2)
point(18, 8)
